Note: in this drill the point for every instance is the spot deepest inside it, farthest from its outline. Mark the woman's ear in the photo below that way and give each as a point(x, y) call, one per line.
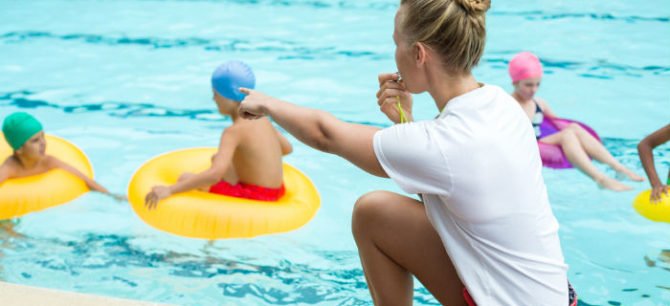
point(421, 53)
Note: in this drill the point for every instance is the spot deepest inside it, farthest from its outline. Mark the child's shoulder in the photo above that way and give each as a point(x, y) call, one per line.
point(247, 127)
point(234, 128)
point(542, 102)
point(9, 166)
point(51, 161)
point(232, 133)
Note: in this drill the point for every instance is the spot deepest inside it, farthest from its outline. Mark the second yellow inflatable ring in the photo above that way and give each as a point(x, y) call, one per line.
point(659, 212)
point(199, 214)
point(20, 196)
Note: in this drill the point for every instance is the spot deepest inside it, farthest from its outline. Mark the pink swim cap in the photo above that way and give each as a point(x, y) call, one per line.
point(524, 65)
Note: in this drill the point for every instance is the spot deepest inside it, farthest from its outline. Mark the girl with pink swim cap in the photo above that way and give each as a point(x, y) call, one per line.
point(578, 144)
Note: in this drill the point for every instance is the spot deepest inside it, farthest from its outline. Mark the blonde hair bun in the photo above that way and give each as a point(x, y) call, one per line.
point(455, 29)
point(474, 6)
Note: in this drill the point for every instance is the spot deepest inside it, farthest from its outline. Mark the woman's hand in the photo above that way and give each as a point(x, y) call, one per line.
point(391, 93)
point(157, 193)
point(254, 105)
point(657, 192)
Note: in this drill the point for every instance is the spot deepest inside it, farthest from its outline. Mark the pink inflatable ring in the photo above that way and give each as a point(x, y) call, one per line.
point(552, 155)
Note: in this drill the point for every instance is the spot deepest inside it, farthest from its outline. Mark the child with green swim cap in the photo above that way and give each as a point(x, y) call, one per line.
point(645, 148)
point(248, 163)
point(25, 136)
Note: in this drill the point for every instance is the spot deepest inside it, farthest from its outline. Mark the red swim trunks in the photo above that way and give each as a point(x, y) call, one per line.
point(572, 296)
point(248, 191)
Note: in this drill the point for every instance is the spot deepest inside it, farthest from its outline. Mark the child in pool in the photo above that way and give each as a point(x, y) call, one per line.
point(578, 145)
point(644, 148)
point(25, 135)
point(248, 163)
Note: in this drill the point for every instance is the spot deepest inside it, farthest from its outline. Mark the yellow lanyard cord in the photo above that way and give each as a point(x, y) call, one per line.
point(401, 112)
point(403, 116)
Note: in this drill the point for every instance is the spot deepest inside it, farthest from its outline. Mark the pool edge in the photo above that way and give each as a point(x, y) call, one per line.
point(19, 295)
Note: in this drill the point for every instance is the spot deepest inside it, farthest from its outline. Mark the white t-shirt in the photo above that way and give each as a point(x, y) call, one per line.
point(478, 168)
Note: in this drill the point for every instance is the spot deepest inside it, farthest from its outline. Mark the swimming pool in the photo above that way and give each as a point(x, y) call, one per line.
point(129, 80)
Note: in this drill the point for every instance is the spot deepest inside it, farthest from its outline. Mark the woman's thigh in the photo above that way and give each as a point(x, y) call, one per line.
point(399, 227)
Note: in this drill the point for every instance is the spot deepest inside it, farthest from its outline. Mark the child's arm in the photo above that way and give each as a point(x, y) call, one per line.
point(647, 157)
point(5, 173)
point(54, 163)
point(546, 109)
point(220, 163)
point(286, 147)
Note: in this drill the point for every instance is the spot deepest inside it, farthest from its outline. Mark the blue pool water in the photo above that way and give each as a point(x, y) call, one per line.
point(128, 80)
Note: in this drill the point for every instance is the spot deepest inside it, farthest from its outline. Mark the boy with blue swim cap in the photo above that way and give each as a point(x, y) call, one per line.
point(248, 163)
point(25, 135)
point(229, 77)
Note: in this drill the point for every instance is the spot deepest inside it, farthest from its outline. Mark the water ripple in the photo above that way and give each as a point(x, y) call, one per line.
point(393, 5)
point(289, 50)
point(281, 283)
point(600, 68)
point(625, 150)
point(315, 4)
point(286, 50)
point(541, 15)
point(21, 99)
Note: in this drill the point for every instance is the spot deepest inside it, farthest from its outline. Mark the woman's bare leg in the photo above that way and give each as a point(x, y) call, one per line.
point(597, 151)
point(395, 241)
point(576, 154)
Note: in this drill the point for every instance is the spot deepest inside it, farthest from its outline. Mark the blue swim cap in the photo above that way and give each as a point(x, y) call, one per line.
point(229, 77)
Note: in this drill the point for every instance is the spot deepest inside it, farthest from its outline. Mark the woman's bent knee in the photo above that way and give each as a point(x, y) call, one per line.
point(367, 207)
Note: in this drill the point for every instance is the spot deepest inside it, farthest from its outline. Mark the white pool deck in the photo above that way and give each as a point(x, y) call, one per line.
point(20, 295)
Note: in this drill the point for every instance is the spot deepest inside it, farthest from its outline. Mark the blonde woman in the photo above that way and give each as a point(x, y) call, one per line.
point(484, 232)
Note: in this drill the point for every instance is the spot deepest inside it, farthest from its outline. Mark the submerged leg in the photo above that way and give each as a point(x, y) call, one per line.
point(597, 151)
point(576, 154)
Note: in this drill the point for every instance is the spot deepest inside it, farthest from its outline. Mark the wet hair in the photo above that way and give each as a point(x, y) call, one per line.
point(455, 29)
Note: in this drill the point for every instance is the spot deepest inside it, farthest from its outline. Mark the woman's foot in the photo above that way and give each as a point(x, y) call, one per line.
point(626, 173)
point(612, 184)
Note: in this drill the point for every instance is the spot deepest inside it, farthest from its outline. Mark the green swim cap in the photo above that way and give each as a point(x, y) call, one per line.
point(19, 127)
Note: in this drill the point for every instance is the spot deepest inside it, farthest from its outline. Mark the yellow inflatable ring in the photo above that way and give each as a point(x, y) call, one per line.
point(659, 212)
point(20, 196)
point(199, 214)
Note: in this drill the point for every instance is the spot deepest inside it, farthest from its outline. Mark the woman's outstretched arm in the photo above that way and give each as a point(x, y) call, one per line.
point(317, 129)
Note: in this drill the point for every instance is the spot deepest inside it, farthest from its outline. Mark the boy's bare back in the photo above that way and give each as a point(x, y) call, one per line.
point(258, 156)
